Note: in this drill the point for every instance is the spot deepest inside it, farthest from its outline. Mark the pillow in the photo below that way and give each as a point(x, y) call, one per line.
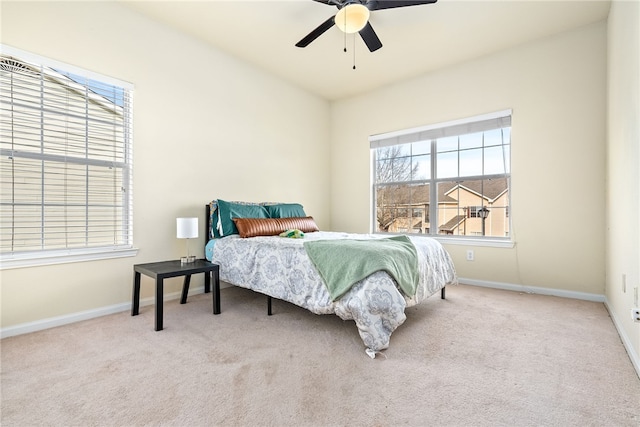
point(286, 210)
point(305, 224)
point(252, 227)
point(214, 218)
point(229, 210)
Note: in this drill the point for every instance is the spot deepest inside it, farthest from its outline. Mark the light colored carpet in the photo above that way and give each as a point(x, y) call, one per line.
point(482, 357)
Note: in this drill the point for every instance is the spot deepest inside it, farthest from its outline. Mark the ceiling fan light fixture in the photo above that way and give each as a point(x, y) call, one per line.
point(352, 18)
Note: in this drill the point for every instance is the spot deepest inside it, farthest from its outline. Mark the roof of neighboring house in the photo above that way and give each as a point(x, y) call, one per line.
point(9, 63)
point(453, 223)
point(420, 196)
point(490, 189)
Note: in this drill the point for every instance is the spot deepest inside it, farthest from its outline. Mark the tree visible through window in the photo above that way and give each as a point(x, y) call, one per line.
point(451, 179)
point(65, 159)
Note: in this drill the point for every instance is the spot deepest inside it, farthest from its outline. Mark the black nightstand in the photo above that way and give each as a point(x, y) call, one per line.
point(165, 269)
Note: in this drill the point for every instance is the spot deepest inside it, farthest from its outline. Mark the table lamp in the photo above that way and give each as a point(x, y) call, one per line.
point(187, 229)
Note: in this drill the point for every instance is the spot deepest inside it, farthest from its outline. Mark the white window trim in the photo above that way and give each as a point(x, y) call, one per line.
point(379, 140)
point(63, 256)
point(34, 259)
point(480, 241)
point(463, 241)
point(449, 124)
point(48, 62)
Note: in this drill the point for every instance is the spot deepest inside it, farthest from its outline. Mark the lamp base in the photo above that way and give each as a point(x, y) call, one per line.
point(187, 259)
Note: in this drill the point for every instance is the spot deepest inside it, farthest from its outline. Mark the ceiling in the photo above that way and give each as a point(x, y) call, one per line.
point(416, 39)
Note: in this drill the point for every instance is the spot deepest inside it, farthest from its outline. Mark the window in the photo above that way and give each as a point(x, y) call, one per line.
point(473, 211)
point(65, 165)
point(451, 179)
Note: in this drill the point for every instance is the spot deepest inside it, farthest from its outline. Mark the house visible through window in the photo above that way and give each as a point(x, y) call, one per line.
point(65, 163)
point(449, 179)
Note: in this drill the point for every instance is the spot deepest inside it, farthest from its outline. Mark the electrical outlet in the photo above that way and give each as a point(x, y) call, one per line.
point(624, 283)
point(635, 314)
point(469, 255)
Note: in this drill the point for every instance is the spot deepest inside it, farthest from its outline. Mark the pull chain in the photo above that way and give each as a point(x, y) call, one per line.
point(345, 33)
point(354, 42)
point(354, 51)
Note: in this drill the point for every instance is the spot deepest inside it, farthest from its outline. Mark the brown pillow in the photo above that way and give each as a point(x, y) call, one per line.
point(252, 227)
point(305, 224)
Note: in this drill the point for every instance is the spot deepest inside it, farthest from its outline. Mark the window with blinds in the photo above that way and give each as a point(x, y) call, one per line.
point(66, 159)
point(449, 179)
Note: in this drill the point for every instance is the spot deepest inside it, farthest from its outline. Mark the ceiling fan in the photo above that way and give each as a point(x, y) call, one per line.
point(353, 17)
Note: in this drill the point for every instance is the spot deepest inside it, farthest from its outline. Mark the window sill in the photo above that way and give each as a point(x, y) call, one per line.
point(35, 259)
point(462, 241)
point(466, 241)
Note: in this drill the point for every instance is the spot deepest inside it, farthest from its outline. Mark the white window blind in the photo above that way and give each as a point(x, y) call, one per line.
point(442, 130)
point(66, 159)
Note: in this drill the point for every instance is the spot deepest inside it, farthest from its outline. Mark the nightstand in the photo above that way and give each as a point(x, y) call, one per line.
point(165, 269)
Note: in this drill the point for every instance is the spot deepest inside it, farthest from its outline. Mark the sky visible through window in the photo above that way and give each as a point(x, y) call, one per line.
point(483, 153)
point(111, 93)
point(475, 154)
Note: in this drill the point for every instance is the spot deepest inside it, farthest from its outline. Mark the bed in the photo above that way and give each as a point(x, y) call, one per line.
point(277, 250)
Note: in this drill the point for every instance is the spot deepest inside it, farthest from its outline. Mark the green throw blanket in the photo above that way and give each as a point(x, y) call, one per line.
point(342, 263)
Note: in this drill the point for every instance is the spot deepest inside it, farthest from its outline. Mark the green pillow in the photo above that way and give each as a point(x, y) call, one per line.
point(213, 219)
point(230, 210)
point(286, 210)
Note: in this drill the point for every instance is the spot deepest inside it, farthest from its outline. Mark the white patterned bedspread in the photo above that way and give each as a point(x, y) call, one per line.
point(279, 267)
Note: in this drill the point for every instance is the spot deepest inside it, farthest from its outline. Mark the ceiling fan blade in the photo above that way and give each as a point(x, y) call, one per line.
point(317, 32)
point(389, 4)
point(329, 2)
point(370, 38)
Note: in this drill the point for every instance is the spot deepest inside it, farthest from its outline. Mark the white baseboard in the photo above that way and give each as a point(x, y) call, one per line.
point(635, 359)
point(534, 290)
point(53, 322)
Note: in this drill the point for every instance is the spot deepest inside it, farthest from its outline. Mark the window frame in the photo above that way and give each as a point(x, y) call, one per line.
point(123, 247)
point(435, 131)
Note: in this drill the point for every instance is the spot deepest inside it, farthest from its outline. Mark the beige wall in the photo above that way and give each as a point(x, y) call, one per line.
point(557, 90)
point(205, 126)
point(227, 130)
point(623, 167)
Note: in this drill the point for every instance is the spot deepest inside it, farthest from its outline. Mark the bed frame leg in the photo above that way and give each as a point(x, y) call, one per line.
point(442, 293)
point(269, 305)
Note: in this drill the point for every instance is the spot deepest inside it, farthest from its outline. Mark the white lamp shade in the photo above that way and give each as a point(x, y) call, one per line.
point(352, 18)
point(187, 228)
